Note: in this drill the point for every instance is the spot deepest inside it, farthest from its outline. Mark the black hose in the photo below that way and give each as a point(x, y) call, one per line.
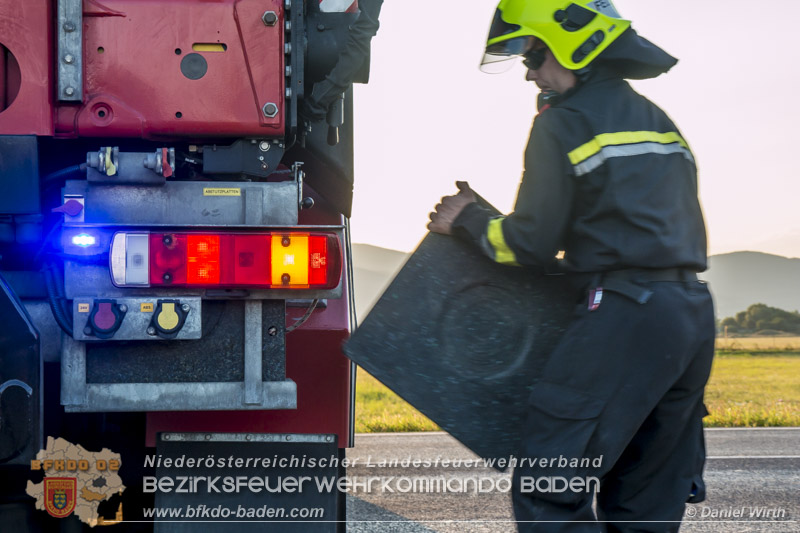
point(64, 172)
point(63, 319)
point(64, 304)
point(57, 178)
point(47, 240)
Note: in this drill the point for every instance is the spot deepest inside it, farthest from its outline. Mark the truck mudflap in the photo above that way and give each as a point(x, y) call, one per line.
point(461, 338)
point(20, 382)
point(235, 482)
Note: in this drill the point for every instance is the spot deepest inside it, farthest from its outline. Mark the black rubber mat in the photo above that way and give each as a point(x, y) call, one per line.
point(461, 338)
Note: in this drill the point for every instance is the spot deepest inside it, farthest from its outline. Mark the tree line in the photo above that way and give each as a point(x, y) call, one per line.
point(761, 317)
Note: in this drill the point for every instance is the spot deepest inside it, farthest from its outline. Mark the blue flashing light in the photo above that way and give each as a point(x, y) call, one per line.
point(84, 240)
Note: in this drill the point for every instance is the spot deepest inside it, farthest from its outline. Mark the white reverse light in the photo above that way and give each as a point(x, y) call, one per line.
point(130, 259)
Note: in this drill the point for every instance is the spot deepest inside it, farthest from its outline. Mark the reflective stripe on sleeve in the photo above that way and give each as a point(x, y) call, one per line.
point(502, 253)
point(594, 153)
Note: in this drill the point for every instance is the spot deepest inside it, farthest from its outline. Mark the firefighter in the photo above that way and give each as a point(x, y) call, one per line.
point(610, 182)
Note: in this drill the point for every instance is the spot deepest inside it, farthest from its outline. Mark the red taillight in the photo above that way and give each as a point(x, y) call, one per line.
point(167, 259)
point(203, 259)
point(251, 260)
point(277, 260)
point(318, 259)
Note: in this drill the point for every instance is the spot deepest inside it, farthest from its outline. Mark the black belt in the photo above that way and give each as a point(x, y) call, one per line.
point(645, 275)
point(629, 282)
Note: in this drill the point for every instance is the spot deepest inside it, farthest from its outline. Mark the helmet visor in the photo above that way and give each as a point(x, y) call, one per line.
point(498, 55)
point(500, 27)
point(492, 64)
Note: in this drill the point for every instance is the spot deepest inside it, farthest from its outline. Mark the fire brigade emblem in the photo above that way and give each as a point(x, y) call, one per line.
point(76, 481)
point(60, 495)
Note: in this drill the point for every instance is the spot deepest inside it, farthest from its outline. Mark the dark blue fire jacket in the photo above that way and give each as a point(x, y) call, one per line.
point(609, 180)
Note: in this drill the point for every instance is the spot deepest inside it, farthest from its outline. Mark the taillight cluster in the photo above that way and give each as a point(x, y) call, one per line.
point(277, 260)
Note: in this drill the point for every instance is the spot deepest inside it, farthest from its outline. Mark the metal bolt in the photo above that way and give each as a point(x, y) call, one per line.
point(328, 438)
point(287, 48)
point(166, 437)
point(167, 240)
point(69, 27)
point(288, 5)
point(270, 18)
point(285, 279)
point(288, 437)
point(288, 25)
point(123, 308)
point(69, 91)
point(208, 437)
point(248, 437)
point(87, 330)
point(264, 146)
point(320, 27)
point(273, 331)
point(289, 93)
point(151, 331)
point(69, 58)
point(264, 166)
point(288, 70)
point(185, 308)
point(285, 242)
point(270, 110)
point(261, 158)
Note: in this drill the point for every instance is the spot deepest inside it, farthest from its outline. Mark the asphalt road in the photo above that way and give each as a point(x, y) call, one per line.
point(752, 476)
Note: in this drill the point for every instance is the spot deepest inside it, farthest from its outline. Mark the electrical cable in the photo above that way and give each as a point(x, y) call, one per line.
point(57, 178)
point(62, 319)
point(64, 172)
point(46, 240)
point(61, 297)
point(302, 320)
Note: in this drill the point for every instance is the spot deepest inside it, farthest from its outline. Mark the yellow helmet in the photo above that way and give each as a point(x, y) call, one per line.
point(575, 31)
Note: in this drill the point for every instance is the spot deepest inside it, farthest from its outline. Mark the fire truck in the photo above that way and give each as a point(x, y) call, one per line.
point(175, 269)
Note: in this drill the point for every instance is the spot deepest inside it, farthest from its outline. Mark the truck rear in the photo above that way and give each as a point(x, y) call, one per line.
point(175, 254)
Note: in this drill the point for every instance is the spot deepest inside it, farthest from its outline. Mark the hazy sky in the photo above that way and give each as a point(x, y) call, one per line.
point(429, 116)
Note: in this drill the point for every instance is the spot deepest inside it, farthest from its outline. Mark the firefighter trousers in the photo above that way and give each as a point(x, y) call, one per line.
point(616, 416)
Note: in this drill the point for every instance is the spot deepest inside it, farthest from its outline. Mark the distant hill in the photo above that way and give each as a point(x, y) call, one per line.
point(737, 280)
point(740, 279)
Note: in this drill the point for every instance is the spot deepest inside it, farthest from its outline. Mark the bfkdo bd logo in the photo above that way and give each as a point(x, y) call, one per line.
point(60, 495)
point(76, 481)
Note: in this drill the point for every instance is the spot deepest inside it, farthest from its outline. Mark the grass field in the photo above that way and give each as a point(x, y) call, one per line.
point(759, 343)
point(754, 388)
point(380, 410)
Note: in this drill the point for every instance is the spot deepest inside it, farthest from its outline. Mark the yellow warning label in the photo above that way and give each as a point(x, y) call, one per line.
point(213, 191)
point(147, 308)
point(83, 308)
